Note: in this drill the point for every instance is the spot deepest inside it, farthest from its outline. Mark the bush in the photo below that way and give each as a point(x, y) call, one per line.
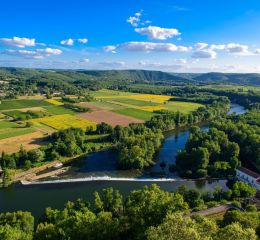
point(251, 208)
point(236, 204)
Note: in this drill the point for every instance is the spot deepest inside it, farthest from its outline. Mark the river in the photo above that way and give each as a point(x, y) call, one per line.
point(35, 198)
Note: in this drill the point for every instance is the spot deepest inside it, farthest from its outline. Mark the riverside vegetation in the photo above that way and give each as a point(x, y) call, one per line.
point(148, 213)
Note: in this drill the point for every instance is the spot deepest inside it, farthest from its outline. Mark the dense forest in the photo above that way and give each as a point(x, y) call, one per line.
point(148, 213)
point(22, 81)
point(230, 142)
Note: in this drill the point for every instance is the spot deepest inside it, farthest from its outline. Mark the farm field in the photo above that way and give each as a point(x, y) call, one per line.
point(58, 110)
point(133, 102)
point(100, 105)
point(29, 141)
point(23, 103)
point(135, 113)
point(64, 121)
point(54, 102)
point(109, 117)
point(11, 129)
point(184, 107)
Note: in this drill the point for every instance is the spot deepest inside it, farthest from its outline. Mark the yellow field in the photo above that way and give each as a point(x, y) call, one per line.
point(65, 121)
point(144, 97)
point(152, 108)
point(150, 97)
point(2, 116)
point(54, 102)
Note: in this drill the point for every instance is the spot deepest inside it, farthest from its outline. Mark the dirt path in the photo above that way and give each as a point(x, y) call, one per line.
point(216, 210)
point(31, 173)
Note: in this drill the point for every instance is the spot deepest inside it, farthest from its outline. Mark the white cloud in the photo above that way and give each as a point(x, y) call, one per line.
point(152, 47)
point(217, 47)
point(236, 48)
point(204, 53)
point(18, 42)
point(201, 45)
point(158, 33)
point(135, 20)
point(83, 40)
point(110, 48)
point(67, 42)
point(35, 54)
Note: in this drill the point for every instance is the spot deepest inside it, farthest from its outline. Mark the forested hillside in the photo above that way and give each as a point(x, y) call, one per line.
point(108, 77)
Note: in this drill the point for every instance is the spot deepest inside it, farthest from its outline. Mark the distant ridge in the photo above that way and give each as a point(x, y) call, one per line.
point(127, 76)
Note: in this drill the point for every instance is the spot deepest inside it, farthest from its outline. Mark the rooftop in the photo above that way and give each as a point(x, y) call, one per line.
point(249, 172)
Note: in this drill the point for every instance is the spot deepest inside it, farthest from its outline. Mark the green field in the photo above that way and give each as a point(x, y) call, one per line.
point(184, 107)
point(25, 103)
point(58, 110)
point(108, 93)
point(105, 105)
point(136, 113)
point(134, 102)
point(11, 129)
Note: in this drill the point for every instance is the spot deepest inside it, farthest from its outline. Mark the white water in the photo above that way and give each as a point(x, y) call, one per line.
point(105, 178)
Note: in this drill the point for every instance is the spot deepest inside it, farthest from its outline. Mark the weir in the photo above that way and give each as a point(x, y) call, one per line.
point(105, 178)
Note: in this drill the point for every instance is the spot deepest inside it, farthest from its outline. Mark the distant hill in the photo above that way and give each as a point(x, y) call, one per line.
point(126, 76)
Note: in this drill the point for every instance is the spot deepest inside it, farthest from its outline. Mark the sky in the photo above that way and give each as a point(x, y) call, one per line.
point(166, 35)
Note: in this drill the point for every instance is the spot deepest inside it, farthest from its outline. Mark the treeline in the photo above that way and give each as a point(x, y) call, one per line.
point(208, 154)
point(76, 108)
point(230, 142)
point(137, 146)
point(148, 213)
point(247, 98)
point(170, 120)
point(64, 143)
point(21, 116)
point(245, 131)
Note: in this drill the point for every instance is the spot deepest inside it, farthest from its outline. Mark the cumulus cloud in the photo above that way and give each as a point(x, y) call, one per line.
point(135, 20)
point(236, 48)
point(83, 40)
point(158, 33)
point(201, 45)
point(34, 54)
point(205, 50)
point(67, 42)
point(204, 53)
point(18, 42)
point(151, 47)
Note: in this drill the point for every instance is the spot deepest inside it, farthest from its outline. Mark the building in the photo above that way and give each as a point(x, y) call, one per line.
point(249, 177)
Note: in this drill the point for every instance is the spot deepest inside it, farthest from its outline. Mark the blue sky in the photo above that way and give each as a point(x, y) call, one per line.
point(168, 35)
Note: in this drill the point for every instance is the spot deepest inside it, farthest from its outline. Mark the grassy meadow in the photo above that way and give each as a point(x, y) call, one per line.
point(12, 129)
point(23, 103)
